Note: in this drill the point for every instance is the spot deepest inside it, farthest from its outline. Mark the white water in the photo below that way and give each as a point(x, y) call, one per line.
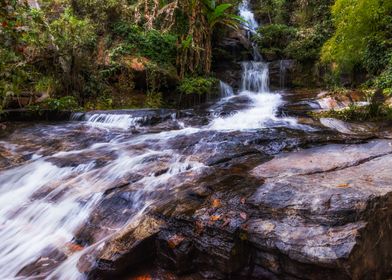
point(123, 121)
point(225, 90)
point(247, 14)
point(43, 205)
point(255, 86)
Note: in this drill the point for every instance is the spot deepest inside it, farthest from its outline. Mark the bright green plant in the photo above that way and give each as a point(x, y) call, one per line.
point(274, 38)
point(157, 46)
point(198, 85)
point(356, 21)
point(59, 104)
point(153, 100)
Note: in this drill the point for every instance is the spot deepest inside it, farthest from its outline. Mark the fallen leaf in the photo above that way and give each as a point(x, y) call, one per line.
point(175, 240)
point(243, 215)
point(215, 218)
point(199, 227)
point(73, 247)
point(242, 200)
point(343, 185)
point(216, 203)
point(142, 277)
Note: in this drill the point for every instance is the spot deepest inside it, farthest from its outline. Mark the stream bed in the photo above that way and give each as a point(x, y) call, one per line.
point(242, 188)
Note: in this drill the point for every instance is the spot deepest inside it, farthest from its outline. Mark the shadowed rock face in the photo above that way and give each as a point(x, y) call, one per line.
point(334, 215)
point(328, 222)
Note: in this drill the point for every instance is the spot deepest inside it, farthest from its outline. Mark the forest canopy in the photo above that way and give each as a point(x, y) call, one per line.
point(99, 54)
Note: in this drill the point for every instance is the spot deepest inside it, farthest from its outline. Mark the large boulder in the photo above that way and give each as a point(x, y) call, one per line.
point(318, 213)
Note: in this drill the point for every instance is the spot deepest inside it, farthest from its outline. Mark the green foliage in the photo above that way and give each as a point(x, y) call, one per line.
point(294, 29)
point(384, 80)
point(102, 12)
point(359, 113)
point(46, 84)
point(198, 85)
point(359, 24)
point(307, 45)
point(274, 38)
point(68, 103)
point(72, 34)
point(153, 100)
point(100, 103)
point(20, 27)
point(219, 14)
point(157, 46)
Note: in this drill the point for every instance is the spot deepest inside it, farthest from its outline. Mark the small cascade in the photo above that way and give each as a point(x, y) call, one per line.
point(247, 14)
point(250, 28)
point(284, 65)
point(225, 89)
point(121, 121)
point(255, 86)
point(255, 76)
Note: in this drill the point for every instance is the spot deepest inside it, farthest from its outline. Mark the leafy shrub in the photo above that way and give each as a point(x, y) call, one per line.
point(198, 85)
point(102, 12)
point(377, 54)
point(384, 81)
point(354, 22)
point(153, 44)
point(274, 38)
point(59, 104)
point(154, 100)
point(306, 46)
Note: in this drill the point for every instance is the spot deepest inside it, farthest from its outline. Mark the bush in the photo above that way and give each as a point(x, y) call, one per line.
point(384, 81)
point(198, 85)
point(274, 38)
point(157, 46)
point(68, 103)
point(306, 46)
point(154, 100)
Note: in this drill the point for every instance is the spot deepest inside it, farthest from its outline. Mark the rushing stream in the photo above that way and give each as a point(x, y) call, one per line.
point(63, 171)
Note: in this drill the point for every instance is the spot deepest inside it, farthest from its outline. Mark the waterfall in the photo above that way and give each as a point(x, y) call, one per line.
point(122, 121)
point(255, 76)
point(247, 14)
point(47, 199)
point(225, 89)
point(283, 66)
point(254, 86)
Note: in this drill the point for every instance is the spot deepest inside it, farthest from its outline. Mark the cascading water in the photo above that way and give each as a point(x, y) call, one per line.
point(66, 170)
point(255, 86)
point(225, 90)
point(255, 77)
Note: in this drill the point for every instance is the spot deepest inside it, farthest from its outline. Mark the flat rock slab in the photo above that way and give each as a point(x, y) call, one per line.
point(322, 159)
point(328, 208)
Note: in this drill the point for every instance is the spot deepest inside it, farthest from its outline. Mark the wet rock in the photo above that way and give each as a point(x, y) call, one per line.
point(40, 268)
point(350, 128)
point(331, 102)
point(131, 246)
point(322, 159)
point(175, 252)
point(23, 115)
point(97, 158)
point(329, 222)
